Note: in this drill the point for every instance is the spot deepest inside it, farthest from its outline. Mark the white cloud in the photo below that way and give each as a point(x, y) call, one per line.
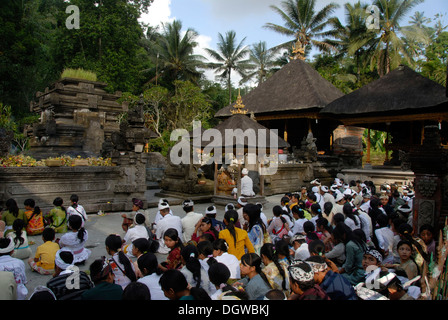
point(158, 12)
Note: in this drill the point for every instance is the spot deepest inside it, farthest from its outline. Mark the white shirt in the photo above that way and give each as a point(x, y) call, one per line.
point(385, 238)
point(71, 241)
point(232, 263)
point(152, 282)
point(298, 226)
point(167, 222)
point(247, 186)
point(320, 200)
point(159, 216)
point(349, 222)
point(328, 198)
point(136, 232)
point(365, 206)
point(302, 252)
point(366, 224)
point(188, 224)
point(17, 267)
point(79, 210)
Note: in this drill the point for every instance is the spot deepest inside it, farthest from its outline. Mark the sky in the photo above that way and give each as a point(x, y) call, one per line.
point(245, 17)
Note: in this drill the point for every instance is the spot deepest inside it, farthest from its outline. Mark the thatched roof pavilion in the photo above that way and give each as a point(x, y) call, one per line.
point(401, 95)
point(290, 101)
point(401, 103)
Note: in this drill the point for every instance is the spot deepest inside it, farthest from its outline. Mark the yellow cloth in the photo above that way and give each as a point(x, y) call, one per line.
point(46, 254)
point(242, 242)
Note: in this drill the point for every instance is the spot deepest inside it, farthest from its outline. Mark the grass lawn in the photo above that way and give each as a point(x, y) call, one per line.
point(376, 158)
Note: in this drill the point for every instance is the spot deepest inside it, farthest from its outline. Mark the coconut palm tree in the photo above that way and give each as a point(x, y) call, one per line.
point(354, 28)
point(385, 46)
point(230, 56)
point(172, 54)
point(305, 25)
point(264, 61)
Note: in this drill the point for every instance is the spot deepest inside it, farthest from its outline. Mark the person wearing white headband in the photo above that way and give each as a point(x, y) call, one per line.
point(246, 184)
point(166, 222)
point(158, 215)
point(14, 265)
point(211, 212)
point(301, 275)
point(65, 274)
point(190, 220)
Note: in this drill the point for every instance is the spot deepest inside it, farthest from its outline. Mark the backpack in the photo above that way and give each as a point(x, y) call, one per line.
point(338, 287)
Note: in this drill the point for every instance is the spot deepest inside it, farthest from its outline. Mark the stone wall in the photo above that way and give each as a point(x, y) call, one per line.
point(77, 116)
point(288, 178)
point(99, 188)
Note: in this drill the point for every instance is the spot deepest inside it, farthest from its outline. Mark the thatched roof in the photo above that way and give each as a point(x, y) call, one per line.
point(296, 87)
point(243, 122)
point(402, 90)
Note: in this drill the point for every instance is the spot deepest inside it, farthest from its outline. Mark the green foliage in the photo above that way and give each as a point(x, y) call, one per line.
point(6, 119)
point(172, 56)
point(79, 74)
point(435, 65)
point(161, 144)
point(377, 140)
point(230, 56)
point(27, 64)
point(304, 24)
point(107, 43)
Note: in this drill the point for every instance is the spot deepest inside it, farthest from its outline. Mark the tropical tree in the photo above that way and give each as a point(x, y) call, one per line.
point(354, 28)
point(434, 64)
point(173, 55)
point(385, 46)
point(305, 25)
point(264, 61)
point(229, 57)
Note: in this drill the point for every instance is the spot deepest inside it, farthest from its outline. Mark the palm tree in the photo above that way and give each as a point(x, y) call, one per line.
point(385, 47)
point(355, 17)
point(264, 61)
point(230, 56)
point(172, 54)
point(302, 22)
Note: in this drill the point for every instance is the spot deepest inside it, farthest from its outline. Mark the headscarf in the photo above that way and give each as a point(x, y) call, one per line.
point(375, 254)
point(61, 263)
point(301, 272)
point(8, 248)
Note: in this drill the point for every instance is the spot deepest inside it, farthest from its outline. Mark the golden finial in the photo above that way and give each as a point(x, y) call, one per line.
point(239, 106)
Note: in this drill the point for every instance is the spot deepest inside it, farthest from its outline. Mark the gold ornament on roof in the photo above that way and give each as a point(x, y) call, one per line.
point(239, 106)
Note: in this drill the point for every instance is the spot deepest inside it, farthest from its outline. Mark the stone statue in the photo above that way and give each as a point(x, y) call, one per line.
point(308, 149)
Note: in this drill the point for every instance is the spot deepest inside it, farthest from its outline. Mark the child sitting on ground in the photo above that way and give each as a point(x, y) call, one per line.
point(43, 261)
point(34, 216)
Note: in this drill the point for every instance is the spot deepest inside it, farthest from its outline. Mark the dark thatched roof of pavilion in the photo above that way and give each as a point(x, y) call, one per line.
point(297, 87)
point(402, 90)
point(243, 122)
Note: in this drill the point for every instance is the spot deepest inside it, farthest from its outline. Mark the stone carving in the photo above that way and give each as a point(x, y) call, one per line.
point(426, 212)
point(426, 186)
point(308, 149)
